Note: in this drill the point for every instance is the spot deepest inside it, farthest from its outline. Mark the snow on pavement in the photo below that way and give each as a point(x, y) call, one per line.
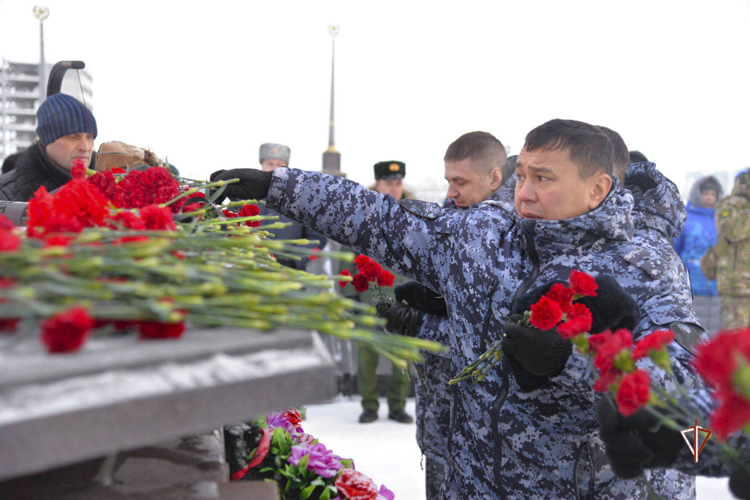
point(387, 451)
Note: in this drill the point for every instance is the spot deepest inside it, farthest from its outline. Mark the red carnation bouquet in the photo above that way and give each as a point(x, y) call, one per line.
point(370, 276)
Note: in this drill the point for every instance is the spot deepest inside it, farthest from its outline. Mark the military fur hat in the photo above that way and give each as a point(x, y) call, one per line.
point(271, 151)
point(390, 170)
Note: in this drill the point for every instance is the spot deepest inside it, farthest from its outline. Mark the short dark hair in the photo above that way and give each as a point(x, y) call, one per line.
point(637, 157)
point(588, 147)
point(622, 156)
point(484, 149)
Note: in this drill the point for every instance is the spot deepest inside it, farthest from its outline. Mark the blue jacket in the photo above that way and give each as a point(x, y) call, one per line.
point(504, 443)
point(698, 235)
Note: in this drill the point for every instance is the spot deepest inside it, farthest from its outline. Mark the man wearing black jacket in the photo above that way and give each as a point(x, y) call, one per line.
point(66, 131)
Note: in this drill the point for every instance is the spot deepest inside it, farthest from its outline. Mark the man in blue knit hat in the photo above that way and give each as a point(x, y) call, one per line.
point(66, 130)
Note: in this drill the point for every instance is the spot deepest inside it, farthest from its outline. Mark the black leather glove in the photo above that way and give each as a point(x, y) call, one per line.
point(542, 353)
point(253, 185)
point(400, 318)
point(739, 484)
point(421, 297)
point(637, 442)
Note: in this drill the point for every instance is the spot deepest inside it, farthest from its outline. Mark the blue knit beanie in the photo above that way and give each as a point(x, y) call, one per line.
point(61, 115)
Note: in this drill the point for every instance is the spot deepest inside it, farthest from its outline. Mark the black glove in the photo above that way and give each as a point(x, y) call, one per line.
point(739, 484)
point(421, 297)
point(253, 185)
point(287, 262)
point(400, 318)
point(612, 308)
point(637, 442)
point(542, 353)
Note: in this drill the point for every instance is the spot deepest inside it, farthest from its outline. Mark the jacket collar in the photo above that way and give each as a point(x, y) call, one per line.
point(659, 206)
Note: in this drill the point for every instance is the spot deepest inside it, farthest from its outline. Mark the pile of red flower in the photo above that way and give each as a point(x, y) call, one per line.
point(724, 363)
point(368, 272)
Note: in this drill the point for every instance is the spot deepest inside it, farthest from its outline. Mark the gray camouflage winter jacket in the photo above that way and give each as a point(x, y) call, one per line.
point(504, 443)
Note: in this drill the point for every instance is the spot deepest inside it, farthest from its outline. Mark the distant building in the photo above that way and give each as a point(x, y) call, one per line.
point(20, 94)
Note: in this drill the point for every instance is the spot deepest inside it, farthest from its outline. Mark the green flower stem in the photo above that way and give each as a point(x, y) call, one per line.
point(194, 190)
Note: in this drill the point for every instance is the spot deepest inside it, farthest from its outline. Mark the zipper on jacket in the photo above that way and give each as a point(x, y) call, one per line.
point(486, 322)
point(527, 226)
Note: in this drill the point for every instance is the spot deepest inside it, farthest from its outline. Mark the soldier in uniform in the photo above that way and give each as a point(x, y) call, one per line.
point(473, 168)
point(570, 213)
point(728, 262)
point(389, 177)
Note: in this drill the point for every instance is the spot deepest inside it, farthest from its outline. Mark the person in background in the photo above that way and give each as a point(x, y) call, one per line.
point(66, 131)
point(271, 157)
point(389, 178)
point(728, 262)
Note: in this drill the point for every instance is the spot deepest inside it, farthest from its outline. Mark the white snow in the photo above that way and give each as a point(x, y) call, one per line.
point(387, 451)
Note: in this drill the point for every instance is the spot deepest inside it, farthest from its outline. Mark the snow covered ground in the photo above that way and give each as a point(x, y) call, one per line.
point(387, 451)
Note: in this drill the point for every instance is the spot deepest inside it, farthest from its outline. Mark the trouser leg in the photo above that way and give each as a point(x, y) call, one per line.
point(367, 378)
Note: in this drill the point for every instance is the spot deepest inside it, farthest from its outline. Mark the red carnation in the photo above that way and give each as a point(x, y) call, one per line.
point(715, 360)
point(229, 214)
point(345, 272)
point(260, 453)
point(608, 351)
point(105, 183)
point(79, 169)
point(360, 283)
point(118, 170)
point(156, 330)
point(67, 331)
point(361, 260)
point(314, 253)
point(562, 295)
point(371, 270)
point(157, 218)
point(6, 224)
point(146, 187)
point(634, 392)
point(9, 241)
point(656, 341)
point(579, 321)
point(354, 485)
point(386, 278)
point(76, 205)
point(127, 220)
point(7, 324)
point(546, 314)
point(250, 211)
point(294, 416)
point(606, 379)
point(732, 414)
point(582, 284)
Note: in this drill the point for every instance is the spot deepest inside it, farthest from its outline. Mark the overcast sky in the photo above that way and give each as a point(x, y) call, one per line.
point(205, 83)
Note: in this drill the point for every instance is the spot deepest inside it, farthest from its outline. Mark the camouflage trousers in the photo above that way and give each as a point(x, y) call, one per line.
point(735, 311)
point(434, 472)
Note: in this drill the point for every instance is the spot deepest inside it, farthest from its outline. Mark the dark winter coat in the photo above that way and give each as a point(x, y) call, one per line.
point(504, 443)
point(698, 235)
point(33, 170)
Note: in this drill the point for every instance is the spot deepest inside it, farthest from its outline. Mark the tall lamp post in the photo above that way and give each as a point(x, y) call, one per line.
point(41, 13)
point(331, 157)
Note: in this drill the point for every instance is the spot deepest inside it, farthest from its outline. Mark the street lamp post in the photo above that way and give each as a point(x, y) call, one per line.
point(41, 13)
point(331, 157)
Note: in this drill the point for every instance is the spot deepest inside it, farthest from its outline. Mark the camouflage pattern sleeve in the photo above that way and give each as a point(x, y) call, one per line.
point(733, 218)
point(435, 328)
point(417, 240)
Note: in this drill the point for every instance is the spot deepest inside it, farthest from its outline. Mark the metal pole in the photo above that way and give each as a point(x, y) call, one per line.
point(331, 157)
point(41, 13)
point(333, 61)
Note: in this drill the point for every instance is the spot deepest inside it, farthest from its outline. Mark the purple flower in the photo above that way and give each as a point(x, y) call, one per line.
point(277, 419)
point(321, 460)
point(385, 493)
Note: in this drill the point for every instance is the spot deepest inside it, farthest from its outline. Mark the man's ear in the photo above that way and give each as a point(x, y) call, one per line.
point(600, 185)
point(496, 178)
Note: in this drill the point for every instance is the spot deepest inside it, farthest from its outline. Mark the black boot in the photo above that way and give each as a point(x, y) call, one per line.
point(400, 416)
point(368, 416)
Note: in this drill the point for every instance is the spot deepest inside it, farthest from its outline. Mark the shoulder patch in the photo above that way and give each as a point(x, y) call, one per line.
point(687, 335)
point(424, 209)
point(647, 260)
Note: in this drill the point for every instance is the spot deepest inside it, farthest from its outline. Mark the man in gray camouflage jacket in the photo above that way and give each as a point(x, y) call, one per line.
point(505, 443)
